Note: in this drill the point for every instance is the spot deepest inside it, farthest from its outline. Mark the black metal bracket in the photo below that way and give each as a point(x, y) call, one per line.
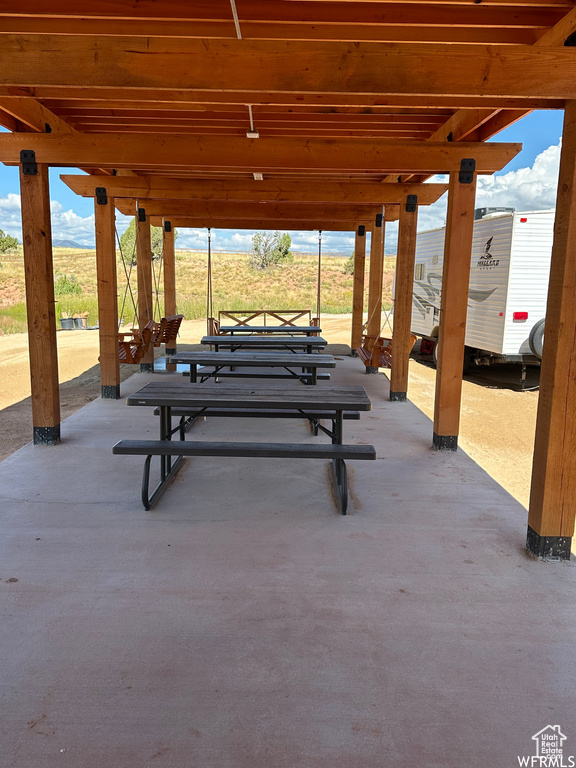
point(379, 219)
point(47, 128)
point(411, 203)
point(141, 214)
point(361, 230)
point(450, 137)
point(167, 226)
point(101, 196)
point(467, 168)
point(29, 164)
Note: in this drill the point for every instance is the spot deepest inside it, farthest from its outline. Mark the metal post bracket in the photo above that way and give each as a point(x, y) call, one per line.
point(467, 168)
point(101, 196)
point(28, 160)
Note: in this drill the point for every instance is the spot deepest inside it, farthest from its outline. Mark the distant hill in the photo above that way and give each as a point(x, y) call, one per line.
point(70, 244)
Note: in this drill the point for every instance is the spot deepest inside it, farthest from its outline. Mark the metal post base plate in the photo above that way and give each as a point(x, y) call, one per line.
point(371, 369)
point(47, 435)
point(398, 397)
point(445, 442)
point(548, 548)
point(110, 391)
point(146, 367)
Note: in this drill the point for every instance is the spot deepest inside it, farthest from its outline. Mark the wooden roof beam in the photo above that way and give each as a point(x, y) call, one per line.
point(480, 33)
point(202, 99)
point(325, 225)
point(234, 210)
point(36, 116)
point(291, 67)
point(263, 155)
point(480, 125)
point(162, 188)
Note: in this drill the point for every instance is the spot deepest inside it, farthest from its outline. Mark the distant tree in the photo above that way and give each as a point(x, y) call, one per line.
point(128, 241)
point(268, 249)
point(349, 265)
point(7, 243)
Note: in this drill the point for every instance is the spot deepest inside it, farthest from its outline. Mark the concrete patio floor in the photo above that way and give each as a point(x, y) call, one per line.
point(244, 622)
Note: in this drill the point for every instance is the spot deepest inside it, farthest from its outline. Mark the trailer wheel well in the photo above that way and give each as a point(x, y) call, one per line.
point(536, 338)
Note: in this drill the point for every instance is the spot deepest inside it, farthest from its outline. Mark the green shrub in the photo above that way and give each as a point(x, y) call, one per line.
point(66, 285)
point(268, 249)
point(349, 265)
point(7, 243)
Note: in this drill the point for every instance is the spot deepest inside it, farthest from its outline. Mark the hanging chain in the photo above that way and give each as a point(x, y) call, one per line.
point(128, 273)
point(319, 275)
point(156, 280)
point(209, 300)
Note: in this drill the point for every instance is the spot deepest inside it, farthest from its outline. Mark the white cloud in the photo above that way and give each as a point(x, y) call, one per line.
point(525, 189)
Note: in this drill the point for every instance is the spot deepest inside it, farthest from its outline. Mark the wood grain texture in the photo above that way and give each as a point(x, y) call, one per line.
point(552, 509)
point(289, 66)
point(116, 150)
point(403, 289)
point(40, 307)
point(105, 225)
point(453, 306)
point(248, 190)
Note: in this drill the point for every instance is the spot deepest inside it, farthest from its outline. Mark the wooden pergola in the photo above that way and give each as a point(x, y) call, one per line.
point(304, 114)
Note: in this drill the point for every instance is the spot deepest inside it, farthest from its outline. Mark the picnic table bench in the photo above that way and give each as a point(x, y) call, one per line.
point(287, 330)
point(169, 396)
point(287, 361)
point(306, 344)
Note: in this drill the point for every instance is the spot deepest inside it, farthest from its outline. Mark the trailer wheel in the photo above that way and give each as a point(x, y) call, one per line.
point(536, 338)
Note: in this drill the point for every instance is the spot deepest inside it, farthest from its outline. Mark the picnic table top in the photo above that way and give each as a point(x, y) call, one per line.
point(254, 359)
point(262, 341)
point(184, 394)
point(300, 329)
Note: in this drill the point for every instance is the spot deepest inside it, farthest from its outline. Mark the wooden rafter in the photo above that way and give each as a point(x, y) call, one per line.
point(112, 150)
point(290, 67)
point(235, 210)
point(157, 188)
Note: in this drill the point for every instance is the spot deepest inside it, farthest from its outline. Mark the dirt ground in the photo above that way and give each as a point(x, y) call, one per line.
point(497, 428)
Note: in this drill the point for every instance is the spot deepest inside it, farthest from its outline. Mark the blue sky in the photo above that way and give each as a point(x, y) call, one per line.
point(527, 183)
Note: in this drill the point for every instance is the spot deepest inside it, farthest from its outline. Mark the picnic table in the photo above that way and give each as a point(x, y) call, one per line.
point(290, 330)
point(308, 344)
point(170, 395)
point(308, 364)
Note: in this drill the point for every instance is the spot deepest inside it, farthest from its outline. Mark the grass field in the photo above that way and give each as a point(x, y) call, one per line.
point(235, 285)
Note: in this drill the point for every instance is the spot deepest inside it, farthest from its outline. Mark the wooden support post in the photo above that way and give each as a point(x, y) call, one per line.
point(358, 288)
point(169, 259)
point(453, 307)
point(144, 272)
point(105, 219)
point(404, 284)
point(39, 275)
point(375, 282)
point(553, 492)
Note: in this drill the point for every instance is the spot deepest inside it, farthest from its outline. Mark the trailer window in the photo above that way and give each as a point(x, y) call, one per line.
point(420, 271)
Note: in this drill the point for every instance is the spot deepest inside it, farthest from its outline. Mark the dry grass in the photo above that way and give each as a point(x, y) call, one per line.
point(235, 285)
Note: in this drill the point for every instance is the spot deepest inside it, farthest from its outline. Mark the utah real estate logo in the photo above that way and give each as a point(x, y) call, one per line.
point(549, 750)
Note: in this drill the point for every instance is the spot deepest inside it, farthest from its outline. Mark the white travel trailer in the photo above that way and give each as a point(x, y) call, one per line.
point(508, 285)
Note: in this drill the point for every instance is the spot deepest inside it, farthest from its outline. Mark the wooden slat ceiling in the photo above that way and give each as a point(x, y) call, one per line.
point(70, 65)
